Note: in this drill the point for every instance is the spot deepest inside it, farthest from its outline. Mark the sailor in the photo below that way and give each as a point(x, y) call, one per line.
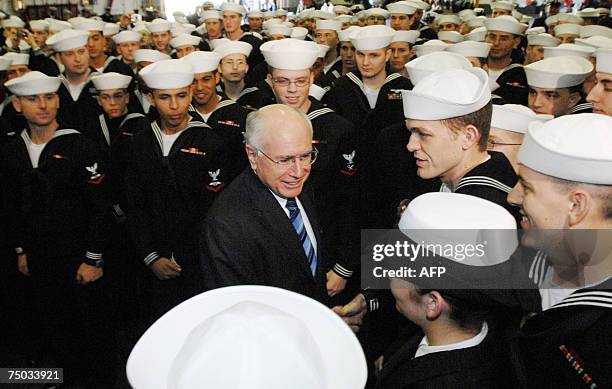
point(601, 94)
point(76, 93)
point(567, 32)
point(126, 43)
point(376, 16)
point(142, 59)
point(225, 116)
point(184, 44)
point(255, 19)
point(402, 14)
point(213, 21)
point(536, 44)
point(232, 19)
point(564, 193)
point(501, 8)
point(475, 52)
point(234, 68)
point(160, 35)
point(555, 92)
point(402, 50)
point(59, 218)
point(507, 78)
point(16, 66)
point(176, 170)
point(326, 33)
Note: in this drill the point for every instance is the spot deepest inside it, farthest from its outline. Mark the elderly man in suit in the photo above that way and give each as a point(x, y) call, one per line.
point(263, 228)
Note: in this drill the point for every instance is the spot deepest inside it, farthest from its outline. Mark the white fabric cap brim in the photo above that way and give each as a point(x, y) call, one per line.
point(567, 29)
point(372, 37)
point(406, 36)
point(150, 361)
point(450, 36)
point(111, 29)
point(226, 48)
point(401, 8)
point(515, 118)
point(168, 74)
point(560, 148)
point(508, 6)
point(233, 7)
point(447, 94)
point(290, 54)
point(149, 55)
point(299, 33)
point(544, 39)
point(206, 15)
point(5, 63)
point(505, 24)
point(68, 40)
point(279, 29)
point(596, 42)
point(595, 30)
point(90, 25)
point(426, 65)
point(203, 61)
point(569, 49)
point(112, 80)
point(185, 40)
point(127, 36)
point(159, 26)
point(471, 49)
point(328, 25)
point(17, 58)
point(33, 83)
point(39, 25)
point(477, 35)
point(430, 47)
point(558, 72)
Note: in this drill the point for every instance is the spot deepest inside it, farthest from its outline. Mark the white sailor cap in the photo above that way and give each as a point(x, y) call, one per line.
point(149, 55)
point(13, 22)
point(568, 49)
point(279, 29)
point(189, 27)
point(212, 14)
point(39, 25)
point(357, 7)
point(553, 19)
point(168, 74)
point(343, 18)
point(567, 29)
point(233, 47)
point(560, 148)
point(111, 80)
point(535, 31)
point(76, 20)
point(203, 61)
point(328, 25)
point(159, 25)
point(515, 117)
point(446, 19)
point(377, 12)
point(409, 36)
point(361, 15)
point(323, 49)
point(127, 36)
point(90, 25)
point(282, 12)
point(604, 60)
point(466, 14)
point(594, 30)
point(505, 5)
point(185, 40)
point(341, 9)
point(424, 66)
point(255, 14)
point(543, 39)
point(141, 28)
point(33, 83)
point(299, 33)
point(345, 35)
point(265, 25)
point(478, 21)
point(526, 19)
point(518, 16)
point(233, 7)
point(477, 35)
point(439, 218)
point(471, 49)
point(5, 63)
point(59, 25)
point(569, 18)
point(401, 7)
point(293, 342)
point(111, 29)
point(558, 72)
point(450, 36)
point(603, 11)
point(218, 42)
point(588, 13)
point(447, 94)
point(269, 14)
point(505, 23)
point(419, 4)
point(372, 37)
point(17, 58)
point(596, 42)
point(68, 40)
point(430, 46)
point(290, 54)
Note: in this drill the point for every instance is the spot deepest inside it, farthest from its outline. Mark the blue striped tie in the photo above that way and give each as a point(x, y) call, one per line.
point(298, 224)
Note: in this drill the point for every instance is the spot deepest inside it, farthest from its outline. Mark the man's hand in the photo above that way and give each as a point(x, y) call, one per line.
point(335, 283)
point(165, 269)
point(29, 38)
point(22, 264)
point(353, 312)
point(87, 273)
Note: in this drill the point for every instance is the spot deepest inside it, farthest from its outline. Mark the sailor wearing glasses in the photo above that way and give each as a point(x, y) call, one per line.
point(263, 229)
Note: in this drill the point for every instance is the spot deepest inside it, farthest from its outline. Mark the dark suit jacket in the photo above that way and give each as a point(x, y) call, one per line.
point(248, 239)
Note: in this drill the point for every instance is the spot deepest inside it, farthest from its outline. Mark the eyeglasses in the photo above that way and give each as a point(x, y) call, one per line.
point(309, 157)
point(492, 144)
point(284, 82)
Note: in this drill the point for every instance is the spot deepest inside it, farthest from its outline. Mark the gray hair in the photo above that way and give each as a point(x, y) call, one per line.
point(256, 123)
